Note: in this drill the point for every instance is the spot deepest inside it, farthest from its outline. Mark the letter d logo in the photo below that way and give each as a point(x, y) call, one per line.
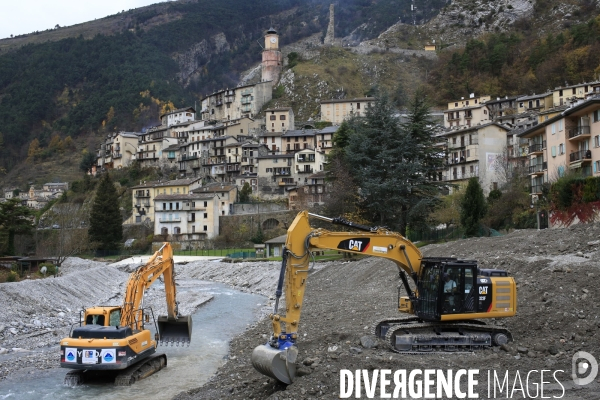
point(586, 360)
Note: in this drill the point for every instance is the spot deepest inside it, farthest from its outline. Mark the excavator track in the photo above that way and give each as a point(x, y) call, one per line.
point(141, 370)
point(413, 336)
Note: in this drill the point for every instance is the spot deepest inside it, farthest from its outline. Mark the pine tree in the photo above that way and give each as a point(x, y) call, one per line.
point(473, 207)
point(106, 227)
point(245, 193)
point(14, 219)
point(393, 163)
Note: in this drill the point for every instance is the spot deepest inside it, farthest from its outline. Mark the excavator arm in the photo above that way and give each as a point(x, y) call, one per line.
point(277, 358)
point(172, 327)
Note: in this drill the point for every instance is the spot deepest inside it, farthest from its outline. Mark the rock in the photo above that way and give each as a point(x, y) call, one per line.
point(585, 290)
point(2, 327)
point(553, 350)
point(523, 350)
point(355, 350)
point(368, 342)
point(518, 357)
point(308, 361)
point(13, 331)
point(61, 314)
point(3, 350)
point(332, 348)
point(19, 350)
point(594, 243)
point(531, 354)
point(579, 254)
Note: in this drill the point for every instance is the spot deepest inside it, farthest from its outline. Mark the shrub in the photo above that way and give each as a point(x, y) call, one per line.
point(50, 269)
point(12, 277)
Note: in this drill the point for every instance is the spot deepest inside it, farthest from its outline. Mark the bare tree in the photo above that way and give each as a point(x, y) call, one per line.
point(67, 233)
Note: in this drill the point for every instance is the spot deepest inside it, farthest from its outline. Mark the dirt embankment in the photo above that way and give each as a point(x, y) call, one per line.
point(556, 272)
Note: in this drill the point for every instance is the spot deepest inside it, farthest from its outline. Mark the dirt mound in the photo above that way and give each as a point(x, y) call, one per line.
point(556, 272)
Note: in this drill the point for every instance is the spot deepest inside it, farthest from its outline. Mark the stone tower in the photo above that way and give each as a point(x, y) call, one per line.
point(330, 35)
point(272, 59)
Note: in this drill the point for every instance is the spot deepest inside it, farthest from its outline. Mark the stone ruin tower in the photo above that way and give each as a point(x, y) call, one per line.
point(330, 35)
point(272, 60)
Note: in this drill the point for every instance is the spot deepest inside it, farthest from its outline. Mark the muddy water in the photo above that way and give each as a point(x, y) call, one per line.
point(214, 324)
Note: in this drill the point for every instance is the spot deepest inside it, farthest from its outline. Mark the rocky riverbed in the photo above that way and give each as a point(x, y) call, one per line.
point(556, 272)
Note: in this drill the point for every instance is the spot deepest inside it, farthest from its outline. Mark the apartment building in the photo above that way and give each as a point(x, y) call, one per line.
point(187, 219)
point(467, 112)
point(567, 141)
point(296, 140)
point(143, 196)
point(324, 139)
point(474, 152)
point(336, 111)
point(240, 102)
point(275, 174)
point(535, 103)
point(118, 150)
point(226, 195)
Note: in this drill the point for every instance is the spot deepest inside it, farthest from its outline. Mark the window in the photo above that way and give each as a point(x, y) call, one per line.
point(495, 185)
point(553, 129)
point(272, 117)
point(596, 167)
point(205, 215)
point(560, 125)
point(561, 148)
point(553, 151)
point(597, 141)
point(205, 205)
point(455, 104)
point(560, 92)
point(358, 106)
point(596, 115)
point(521, 105)
point(282, 117)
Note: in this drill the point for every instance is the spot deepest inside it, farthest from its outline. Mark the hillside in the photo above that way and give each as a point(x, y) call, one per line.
point(122, 71)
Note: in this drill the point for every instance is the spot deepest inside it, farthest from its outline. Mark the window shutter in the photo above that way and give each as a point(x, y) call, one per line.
point(553, 151)
point(594, 167)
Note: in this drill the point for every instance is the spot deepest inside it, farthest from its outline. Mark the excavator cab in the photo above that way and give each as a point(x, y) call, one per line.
point(446, 286)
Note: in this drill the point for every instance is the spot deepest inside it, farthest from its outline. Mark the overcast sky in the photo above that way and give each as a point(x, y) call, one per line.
point(25, 16)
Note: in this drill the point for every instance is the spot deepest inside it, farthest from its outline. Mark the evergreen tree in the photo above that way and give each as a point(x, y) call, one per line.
point(473, 207)
point(394, 164)
point(245, 193)
point(14, 219)
point(87, 161)
point(106, 227)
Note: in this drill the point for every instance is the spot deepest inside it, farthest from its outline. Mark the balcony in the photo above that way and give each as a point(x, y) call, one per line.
point(306, 171)
point(282, 172)
point(247, 92)
point(579, 133)
point(583, 156)
point(459, 176)
point(306, 159)
point(246, 100)
point(141, 194)
point(454, 161)
point(537, 148)
point(229, 99)
point(117, 155)
point(186, 157)
point(167, 220)
point(537, 188)
point(538, 169)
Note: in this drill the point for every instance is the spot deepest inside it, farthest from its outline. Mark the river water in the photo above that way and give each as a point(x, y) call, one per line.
point(214, 324)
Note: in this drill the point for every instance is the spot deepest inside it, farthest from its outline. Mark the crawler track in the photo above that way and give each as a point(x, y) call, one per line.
point(413, 336)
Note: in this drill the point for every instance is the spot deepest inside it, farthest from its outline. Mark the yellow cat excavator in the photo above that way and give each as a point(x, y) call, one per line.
point(446, 300)
point(115, 339)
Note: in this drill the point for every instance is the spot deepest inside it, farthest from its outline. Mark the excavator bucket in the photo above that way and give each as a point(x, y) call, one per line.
point(278, 364)
point(175, 330)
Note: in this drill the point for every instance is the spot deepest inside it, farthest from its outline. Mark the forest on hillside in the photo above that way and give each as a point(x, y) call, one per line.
point(512, 63)
point(120, 82)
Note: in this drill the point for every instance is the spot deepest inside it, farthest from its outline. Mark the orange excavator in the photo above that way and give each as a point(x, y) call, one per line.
point(114, 340)
point(445, 302)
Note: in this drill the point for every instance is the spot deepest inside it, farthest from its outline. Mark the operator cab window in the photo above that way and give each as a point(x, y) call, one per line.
point(459, 289)
point(95, 320)
point(115, 318)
